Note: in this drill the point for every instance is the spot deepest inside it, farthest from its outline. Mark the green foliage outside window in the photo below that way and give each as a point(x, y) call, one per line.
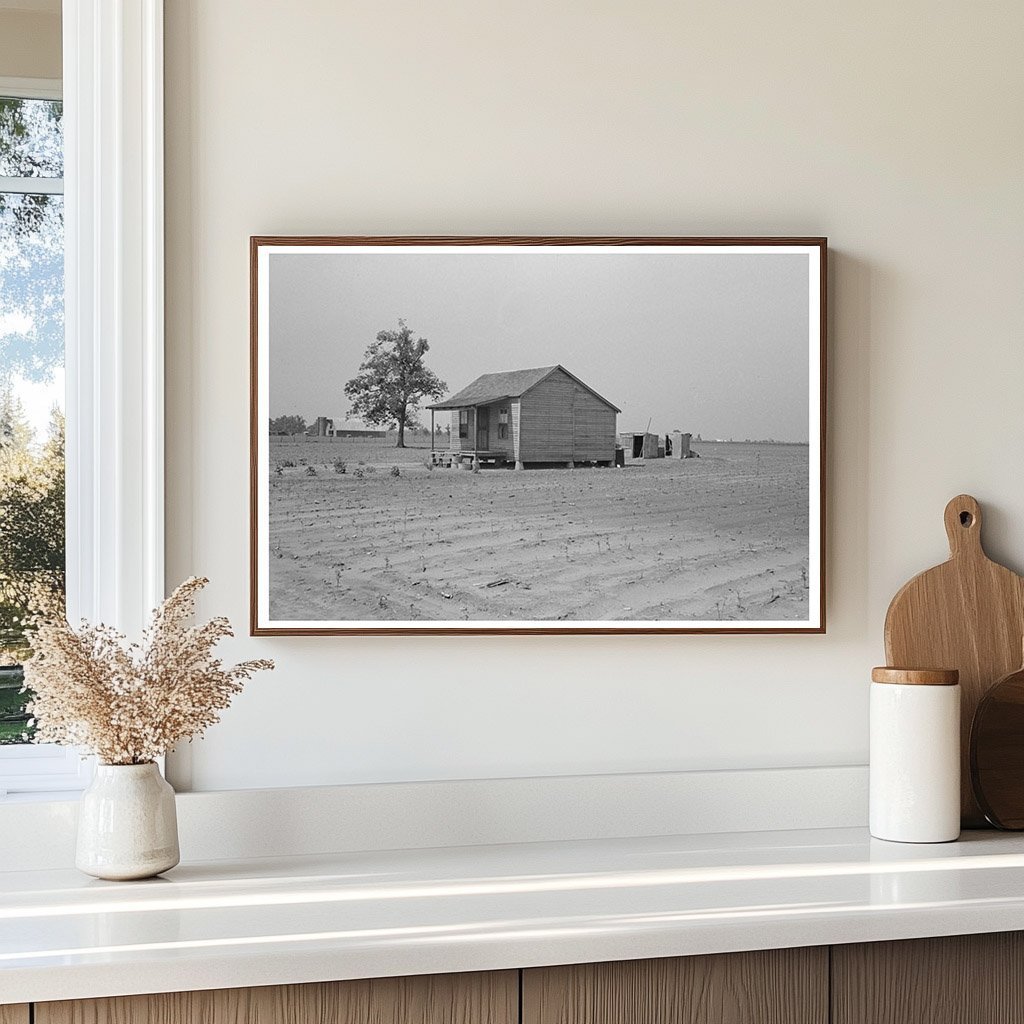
point(31, 355)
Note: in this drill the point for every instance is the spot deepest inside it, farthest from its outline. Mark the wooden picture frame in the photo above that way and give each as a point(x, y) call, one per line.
point(578, 512)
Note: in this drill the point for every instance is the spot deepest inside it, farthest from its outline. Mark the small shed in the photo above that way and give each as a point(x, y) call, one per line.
point(543, 415)
point(680, 447)
point(640, 444)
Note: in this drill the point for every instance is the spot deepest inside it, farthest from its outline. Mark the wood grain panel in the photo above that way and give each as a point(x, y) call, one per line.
point(484, 998)
point(780, 986)
point(963, 979)
point(14, 1014)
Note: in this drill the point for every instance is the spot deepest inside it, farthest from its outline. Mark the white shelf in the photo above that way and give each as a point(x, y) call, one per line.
point(299, 919)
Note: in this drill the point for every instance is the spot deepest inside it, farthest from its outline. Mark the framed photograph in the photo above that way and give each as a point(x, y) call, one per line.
point(537, 435)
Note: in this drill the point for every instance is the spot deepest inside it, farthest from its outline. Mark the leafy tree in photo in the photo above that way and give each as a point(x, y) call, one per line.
point(392, 380)
point(288, 425)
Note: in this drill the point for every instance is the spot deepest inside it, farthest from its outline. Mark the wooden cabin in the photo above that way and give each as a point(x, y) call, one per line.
point(545, 415)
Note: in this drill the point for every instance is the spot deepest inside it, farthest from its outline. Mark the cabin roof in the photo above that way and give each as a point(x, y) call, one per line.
point(493, 387)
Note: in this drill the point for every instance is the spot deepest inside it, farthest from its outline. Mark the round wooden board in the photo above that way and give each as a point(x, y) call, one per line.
point(997, 752)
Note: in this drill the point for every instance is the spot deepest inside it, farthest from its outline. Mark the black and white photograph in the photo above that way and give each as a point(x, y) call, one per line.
point(537, 435)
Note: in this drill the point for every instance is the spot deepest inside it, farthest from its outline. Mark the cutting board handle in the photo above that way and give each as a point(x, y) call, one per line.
point(963, 526)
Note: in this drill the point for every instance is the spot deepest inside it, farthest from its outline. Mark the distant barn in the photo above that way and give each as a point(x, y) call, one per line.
point(545, 415)
point(357, 430)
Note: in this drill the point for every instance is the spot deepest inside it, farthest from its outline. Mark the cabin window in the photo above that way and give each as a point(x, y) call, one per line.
point(463, 423)
point(503, 424)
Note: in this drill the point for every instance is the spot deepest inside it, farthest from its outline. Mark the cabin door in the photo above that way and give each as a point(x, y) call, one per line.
point(483, 433)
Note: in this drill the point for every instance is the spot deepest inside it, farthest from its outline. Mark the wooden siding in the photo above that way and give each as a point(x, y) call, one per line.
point(468, 443)
point(516, 428)
point(485, 415)
point(499, 444)
point(456, 441)
point(593, 428)
point(561, 421)
point(546, 420)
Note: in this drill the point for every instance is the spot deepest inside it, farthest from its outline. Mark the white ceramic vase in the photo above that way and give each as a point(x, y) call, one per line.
point(127, 825)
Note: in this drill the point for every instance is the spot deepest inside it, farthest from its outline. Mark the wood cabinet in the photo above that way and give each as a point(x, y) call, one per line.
point(491, 998)
point(778, 986)
point(972, 979)
point(963, 979)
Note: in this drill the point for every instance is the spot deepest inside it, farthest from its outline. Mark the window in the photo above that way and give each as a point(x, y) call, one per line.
point(112, 122)
point(463, 423)
point(503, 423)
point(32, 564)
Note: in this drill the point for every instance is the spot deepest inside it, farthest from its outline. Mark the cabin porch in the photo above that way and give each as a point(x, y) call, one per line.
point(479, 435)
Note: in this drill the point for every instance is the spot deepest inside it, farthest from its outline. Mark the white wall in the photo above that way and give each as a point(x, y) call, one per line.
point(894, 129)
point(29, 42)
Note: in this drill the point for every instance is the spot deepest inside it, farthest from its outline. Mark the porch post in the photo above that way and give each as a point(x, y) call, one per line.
point(431, 431)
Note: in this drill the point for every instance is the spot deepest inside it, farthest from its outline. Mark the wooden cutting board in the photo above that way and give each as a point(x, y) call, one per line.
point(967, 614)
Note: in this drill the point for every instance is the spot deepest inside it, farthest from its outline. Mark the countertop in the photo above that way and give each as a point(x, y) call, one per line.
point(224, 924)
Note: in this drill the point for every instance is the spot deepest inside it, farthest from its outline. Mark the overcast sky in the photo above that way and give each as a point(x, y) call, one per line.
point(712, 344)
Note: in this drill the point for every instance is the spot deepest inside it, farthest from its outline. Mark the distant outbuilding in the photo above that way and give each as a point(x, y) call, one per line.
point(357, 430)
point(680, 445)
point(640, 444)
point(541, 416)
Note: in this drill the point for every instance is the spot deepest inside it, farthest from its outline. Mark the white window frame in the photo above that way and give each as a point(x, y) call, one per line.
point(31, 89)
point(114, 347)
point(38, 768)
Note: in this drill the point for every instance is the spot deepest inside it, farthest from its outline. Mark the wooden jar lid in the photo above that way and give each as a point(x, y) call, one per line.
point(916, 676)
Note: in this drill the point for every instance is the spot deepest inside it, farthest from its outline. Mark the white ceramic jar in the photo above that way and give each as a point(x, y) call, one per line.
point(127, 823)
point(915, 755)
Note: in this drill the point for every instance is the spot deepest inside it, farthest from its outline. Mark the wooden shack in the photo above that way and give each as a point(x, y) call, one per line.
point(639, 444)
point(680, 446)
point(541, 416)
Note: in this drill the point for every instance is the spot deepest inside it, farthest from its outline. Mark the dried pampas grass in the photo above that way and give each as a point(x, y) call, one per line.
point(130, 703)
